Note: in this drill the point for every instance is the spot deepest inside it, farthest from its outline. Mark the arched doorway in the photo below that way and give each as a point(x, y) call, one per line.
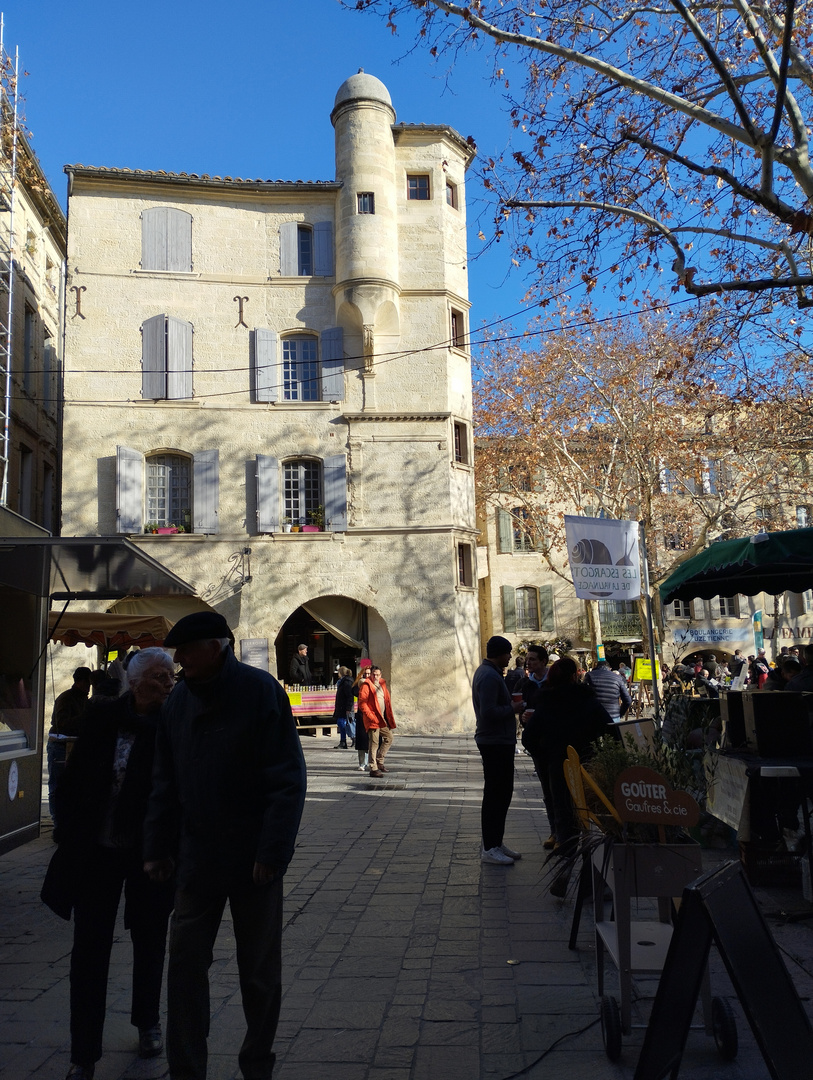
point(335, 629)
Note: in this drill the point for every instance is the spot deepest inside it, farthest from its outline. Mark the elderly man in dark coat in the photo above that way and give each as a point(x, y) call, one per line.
point(228, 793)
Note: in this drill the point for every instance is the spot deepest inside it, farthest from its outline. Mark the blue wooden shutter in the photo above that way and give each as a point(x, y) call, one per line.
point(206, 493)
point(335, 484)
point(505, 532)
point(154, 238)
point(179, 358)
point(509, 609)
point(267, 373)
point(333, 364)
point(323, 249)
point(154, 357)
point(546, 619)
point(129, 490)
point(267, 494)
point(288, 249)
point(179, 241)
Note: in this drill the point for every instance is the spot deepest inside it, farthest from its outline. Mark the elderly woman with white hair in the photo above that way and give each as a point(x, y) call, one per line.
point(101, 804)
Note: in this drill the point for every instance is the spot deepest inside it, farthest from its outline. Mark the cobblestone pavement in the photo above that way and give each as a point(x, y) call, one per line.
point(404, 957)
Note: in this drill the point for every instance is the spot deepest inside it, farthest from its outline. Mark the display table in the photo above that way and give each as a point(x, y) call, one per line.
point(757, 797)
point(313, 711)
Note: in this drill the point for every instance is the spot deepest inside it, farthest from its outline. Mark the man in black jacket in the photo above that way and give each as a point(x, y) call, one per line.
point(228, 793)
point(496, 738)
point(299, 671)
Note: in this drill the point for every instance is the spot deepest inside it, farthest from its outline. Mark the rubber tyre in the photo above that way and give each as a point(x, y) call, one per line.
point(611, 1027)
point(724, 1026)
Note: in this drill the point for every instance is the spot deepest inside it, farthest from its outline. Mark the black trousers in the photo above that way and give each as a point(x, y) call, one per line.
point(498, 790)
point(146, 914)
point(257, 915)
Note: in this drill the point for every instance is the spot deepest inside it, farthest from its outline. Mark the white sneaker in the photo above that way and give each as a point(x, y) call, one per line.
point(496, 855)
point(506, 850)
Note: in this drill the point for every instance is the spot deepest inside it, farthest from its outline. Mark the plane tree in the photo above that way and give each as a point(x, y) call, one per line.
point(668, 138)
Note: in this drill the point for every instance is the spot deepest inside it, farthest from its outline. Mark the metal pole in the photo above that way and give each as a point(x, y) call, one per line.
point(653, 660)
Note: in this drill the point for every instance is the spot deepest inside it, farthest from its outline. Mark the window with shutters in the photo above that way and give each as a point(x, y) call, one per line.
point(166, 358)
point(166, 239)
point(301, 491)
point(306, 250)
point(166, 488)
point(169, 491)
point(299, 368)
point(527, 608)
point(681, 609)
point(727, 607)
point(521, 528)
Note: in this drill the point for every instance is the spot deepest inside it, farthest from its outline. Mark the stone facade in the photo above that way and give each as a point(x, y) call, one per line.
point(32, 242)
point(249, 351)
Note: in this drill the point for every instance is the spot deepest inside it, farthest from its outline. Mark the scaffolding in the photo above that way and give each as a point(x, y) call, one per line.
point(9, 145)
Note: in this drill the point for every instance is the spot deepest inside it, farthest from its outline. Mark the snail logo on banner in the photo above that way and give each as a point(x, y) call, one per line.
point(604, 561)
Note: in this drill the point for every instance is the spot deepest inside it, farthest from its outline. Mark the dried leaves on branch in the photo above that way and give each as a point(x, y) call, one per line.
point(671, 139)
point(647, 420)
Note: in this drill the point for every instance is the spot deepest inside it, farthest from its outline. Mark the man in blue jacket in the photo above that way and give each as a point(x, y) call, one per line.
point(496, 738)
point(228, 793)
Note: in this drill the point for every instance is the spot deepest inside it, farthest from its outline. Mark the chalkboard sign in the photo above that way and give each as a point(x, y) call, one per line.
point(720, 906)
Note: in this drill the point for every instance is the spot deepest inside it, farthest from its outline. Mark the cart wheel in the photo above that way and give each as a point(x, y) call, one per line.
point(724, 1027)
point(611, 1027)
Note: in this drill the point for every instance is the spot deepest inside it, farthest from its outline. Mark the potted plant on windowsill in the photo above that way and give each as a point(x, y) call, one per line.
point(316, 520)
point(286, 524)
point(151, 527)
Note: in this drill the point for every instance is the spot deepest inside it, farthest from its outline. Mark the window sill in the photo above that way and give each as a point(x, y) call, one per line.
point(169, 536)
point(466, 588)
point(295, 536)
point(463, 466)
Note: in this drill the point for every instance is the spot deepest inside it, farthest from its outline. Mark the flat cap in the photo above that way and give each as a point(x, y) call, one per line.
point(199, 626)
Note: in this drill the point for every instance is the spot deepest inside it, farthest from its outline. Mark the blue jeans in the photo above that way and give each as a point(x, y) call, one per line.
point(56, 751)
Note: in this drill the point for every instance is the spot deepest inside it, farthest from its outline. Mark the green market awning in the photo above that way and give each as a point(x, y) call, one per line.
point(772, 563)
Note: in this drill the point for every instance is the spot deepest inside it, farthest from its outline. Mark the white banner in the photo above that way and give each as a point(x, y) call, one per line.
point(604, 560)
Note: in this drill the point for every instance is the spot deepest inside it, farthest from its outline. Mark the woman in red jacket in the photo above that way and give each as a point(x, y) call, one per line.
point(376, 712)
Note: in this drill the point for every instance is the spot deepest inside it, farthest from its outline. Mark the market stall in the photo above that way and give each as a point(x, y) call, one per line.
point(761, 780)
point(107, 630)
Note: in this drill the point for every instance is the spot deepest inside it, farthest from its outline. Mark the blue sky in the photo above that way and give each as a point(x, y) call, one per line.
point(240, 90)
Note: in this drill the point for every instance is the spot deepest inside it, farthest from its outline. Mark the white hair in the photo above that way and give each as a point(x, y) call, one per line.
point(146, 658)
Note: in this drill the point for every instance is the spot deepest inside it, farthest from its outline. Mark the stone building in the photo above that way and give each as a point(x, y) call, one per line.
point(525, 599)
point(253, 357)
point(32, 255)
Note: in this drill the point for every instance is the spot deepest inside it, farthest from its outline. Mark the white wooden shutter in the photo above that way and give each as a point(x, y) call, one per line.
point(288, 249)
point(179, 241)
point(323, 249)
point(333, 364)
point(154, 357)
point(206, 494)
point(129, 490)
point(335, 485)
point(505, 532)
point(268, 494)
point(509, 609)
point(154, 238)
point(266, 369)
point(179, 359)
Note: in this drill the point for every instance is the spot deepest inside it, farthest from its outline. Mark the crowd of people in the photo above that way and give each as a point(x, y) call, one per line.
point(550, 707)
point(706, 675)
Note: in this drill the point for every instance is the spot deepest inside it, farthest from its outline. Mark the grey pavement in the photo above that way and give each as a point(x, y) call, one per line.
point(404, 958)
